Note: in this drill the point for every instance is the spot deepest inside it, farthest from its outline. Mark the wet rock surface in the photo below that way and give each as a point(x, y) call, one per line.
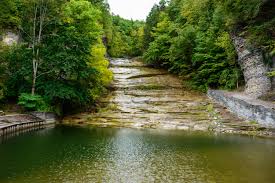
point(145, 97)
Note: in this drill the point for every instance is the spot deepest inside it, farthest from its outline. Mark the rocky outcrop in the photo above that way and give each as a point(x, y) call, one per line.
point(246, 107)
point(251, 61)
point(9, 38)
point(273, 78)
point(49, 117)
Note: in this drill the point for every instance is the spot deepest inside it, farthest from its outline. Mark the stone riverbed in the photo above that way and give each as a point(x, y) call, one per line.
point(145, 97)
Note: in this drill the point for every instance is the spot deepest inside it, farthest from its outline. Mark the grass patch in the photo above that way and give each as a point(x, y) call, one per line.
point(110, 107)
point(253, 122)
point(150, 87)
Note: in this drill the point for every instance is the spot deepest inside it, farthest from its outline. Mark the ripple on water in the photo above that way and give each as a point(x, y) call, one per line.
point(69, 154)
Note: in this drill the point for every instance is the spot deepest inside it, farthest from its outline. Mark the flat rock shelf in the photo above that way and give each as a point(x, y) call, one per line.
point(247, 107)
point(145, 97)
point(11, 125)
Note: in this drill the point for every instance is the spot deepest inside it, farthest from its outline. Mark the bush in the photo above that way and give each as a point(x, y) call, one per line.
point(33, 102)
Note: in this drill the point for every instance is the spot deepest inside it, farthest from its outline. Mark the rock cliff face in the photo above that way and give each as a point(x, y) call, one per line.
point(257, 83)
point(273, 79)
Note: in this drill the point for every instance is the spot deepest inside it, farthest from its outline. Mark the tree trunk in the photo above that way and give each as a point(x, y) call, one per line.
point(33, 82)
point(38, 20)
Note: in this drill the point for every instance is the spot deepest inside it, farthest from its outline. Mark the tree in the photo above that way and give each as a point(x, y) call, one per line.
point(3, 70)
point(40, 15)
point(127, 38)
point(157, 53)
point(37, 15)
point(61, 55)
point(9, 14)
point(69, 54)
point(151, 22)
point(190, 38)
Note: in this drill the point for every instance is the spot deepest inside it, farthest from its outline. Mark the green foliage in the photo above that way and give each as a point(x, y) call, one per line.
point(127, 38)
point(72, 67)
point(151, 22)
point(20, 70)
point(98, 61)
point(214, 62)
point(3, 70)
point(192, 38)
point(119, 47)
point(238, 11)
point(271, 74)
point(70, 54)
point(189, 37)
point(9, 14)
point(33, 102)
point(157, 53)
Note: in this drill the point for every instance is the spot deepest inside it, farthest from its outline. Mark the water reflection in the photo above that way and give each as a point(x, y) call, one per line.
point(67, 154)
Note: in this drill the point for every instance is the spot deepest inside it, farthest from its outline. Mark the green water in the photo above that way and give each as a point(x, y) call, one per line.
point(70, 154)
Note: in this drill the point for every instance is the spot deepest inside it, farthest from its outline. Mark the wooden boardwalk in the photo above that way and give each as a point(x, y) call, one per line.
point(18, 123)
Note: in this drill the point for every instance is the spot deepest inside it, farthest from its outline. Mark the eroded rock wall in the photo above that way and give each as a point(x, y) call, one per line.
point(273, 78)
point(49, 117)
point(251, 61)
point(246, 107)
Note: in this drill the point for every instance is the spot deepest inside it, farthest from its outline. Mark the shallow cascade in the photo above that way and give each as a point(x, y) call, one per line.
point(146, 97)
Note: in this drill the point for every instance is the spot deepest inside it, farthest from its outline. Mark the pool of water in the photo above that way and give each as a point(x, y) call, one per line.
point(71, 154)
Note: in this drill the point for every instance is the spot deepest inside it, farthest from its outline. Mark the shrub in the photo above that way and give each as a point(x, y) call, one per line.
point(33, 102)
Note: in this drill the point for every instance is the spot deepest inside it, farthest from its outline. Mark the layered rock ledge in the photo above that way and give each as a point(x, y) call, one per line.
point(144, 97)
point(246, 107)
